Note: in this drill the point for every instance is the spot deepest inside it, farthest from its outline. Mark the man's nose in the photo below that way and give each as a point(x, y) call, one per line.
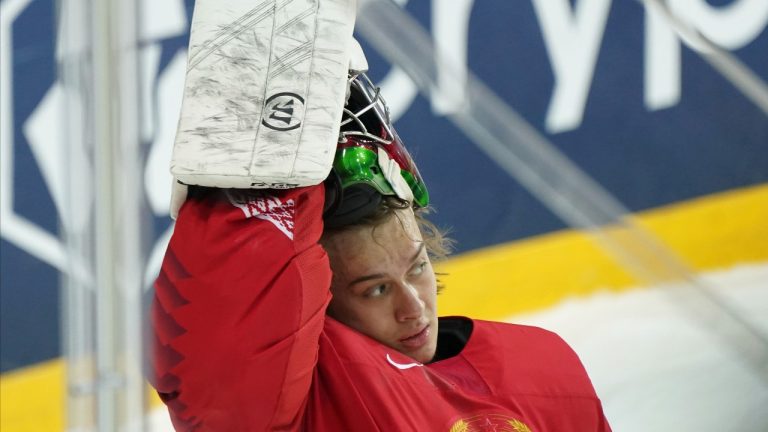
point(409, 304)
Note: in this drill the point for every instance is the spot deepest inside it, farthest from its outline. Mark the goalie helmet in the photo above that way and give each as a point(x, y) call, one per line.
point(370, 162)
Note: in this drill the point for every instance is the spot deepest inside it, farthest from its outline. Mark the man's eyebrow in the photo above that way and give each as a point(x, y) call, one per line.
point(382, 275)
point(365, 278)
point(418, 252)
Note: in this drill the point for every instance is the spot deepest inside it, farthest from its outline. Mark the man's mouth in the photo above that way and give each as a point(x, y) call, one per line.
point(418, 339)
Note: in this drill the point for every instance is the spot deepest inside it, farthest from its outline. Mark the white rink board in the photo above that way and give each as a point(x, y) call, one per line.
point(657, 370)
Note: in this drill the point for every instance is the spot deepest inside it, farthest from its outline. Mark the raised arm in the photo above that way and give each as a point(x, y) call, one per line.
point(239, 307)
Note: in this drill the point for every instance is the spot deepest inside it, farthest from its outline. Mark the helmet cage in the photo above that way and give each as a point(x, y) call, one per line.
point(366, 120)
point(365, 98)
point(357, 184)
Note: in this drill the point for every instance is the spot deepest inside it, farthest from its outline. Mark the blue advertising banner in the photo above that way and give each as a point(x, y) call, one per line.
point(611, 85)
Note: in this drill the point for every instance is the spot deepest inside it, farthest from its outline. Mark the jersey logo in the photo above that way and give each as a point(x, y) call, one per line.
point(489, 422)
point(265, 207)
point(403, 366)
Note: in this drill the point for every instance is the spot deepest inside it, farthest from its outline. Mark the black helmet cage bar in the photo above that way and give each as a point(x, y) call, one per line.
point(372, 100)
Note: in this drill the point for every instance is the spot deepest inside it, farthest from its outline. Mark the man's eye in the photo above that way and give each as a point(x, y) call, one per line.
point(376, 291)
point(419, 269)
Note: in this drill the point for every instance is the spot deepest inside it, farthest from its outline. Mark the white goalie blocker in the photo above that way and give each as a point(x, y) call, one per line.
point(264, 93)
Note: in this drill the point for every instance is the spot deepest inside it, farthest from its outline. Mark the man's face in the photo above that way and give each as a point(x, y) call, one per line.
point(384, 286)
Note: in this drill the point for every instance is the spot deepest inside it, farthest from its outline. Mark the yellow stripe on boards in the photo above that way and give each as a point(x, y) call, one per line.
point(531, 274)
point(715, 231)
point(32, 398)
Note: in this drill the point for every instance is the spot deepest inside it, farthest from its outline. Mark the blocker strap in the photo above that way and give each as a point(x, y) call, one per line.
point(264, 92)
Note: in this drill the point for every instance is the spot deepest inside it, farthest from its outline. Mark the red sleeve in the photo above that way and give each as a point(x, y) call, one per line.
point(238, 310)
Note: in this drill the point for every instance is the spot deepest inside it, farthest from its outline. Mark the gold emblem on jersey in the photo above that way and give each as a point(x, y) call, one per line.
point(460, 426)
point(519, 426)
point(486, 422)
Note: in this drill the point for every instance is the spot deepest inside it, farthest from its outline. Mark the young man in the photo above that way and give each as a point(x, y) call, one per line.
point(315, 309)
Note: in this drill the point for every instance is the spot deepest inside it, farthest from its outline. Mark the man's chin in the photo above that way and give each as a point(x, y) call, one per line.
point(428, 357)
point(424, 354)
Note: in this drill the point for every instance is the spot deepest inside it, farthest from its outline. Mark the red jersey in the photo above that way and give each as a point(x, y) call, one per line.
point(243, 343)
